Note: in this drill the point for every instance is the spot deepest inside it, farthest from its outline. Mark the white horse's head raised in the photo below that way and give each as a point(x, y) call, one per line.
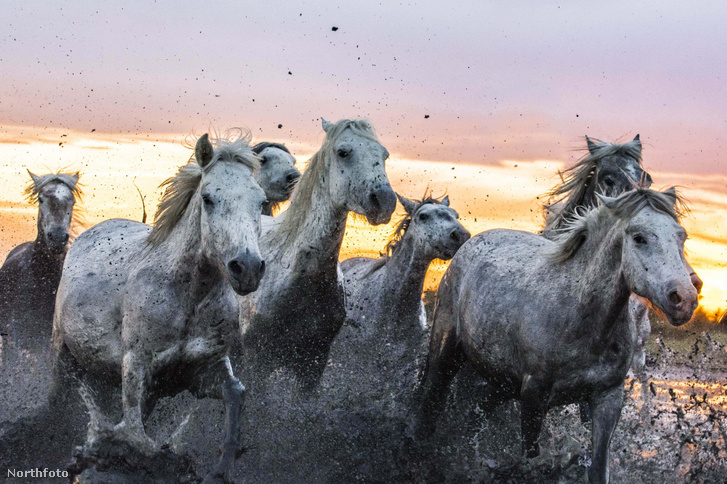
point(56, 196)
point(219, 188)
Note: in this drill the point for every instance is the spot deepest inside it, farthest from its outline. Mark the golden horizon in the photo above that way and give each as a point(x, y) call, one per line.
point(503, 195)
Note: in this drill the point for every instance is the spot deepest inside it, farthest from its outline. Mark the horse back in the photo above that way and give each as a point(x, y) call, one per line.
point(88, 308)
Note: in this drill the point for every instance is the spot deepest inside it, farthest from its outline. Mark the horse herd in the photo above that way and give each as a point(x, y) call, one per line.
point(214, 293)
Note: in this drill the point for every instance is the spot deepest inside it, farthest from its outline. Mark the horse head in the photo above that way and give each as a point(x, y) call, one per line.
point(433, 226)
point(231, 202)
point(56, 196)
point(356, 168)
point(653, 261)
point(277, 174)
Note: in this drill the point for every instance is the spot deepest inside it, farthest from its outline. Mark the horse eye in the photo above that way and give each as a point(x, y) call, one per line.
point(608, 182)
point(41, 200)
point(263, 160)
point(639, 239)
point(342, 153)
point(423, 217)
point(208, 200)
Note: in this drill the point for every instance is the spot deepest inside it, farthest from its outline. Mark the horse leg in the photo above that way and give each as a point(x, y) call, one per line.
point(585, 411)
point(606, 409)
point(134, 387)
point(532, 413)
point(445, 360)
point(220, 382)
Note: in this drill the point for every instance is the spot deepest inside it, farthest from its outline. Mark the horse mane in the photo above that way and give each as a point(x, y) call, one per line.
point(622, 208)
point(577, 179)
point(33, 189)
point(232, 146)
point(301, 200)
point(401, 227)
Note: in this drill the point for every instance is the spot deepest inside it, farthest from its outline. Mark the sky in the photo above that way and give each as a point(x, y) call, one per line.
point(476, 86)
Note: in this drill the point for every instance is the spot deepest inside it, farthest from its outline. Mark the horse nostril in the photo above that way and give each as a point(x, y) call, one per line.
point(374, 199)
point(292, 177)
point(454, 236)
point(675, 298)
point(261, 269)
point(235, 267)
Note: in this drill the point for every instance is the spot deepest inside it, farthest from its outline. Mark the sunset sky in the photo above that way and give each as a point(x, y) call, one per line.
point(484, 100)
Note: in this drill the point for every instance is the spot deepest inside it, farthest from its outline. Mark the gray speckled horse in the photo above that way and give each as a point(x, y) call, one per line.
point(609, 169)
point(292, 319)
point(277, 174)
point(376, 357)
point(384, 311)
point(31, 273)
point(154, 310)
point(547, 323)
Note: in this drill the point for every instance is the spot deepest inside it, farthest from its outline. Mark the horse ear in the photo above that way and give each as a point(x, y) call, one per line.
point(609, 202)
point(33, 177)
point(671, 192)
point(637, 142)
point(203, 151)
point(591, 145)
point(445, 201)
point(326, 125)
point(75, 177)
point(408, 205)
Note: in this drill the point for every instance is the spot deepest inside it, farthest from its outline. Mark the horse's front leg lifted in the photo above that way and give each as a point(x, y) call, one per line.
point(221, 383)
point(606, 410)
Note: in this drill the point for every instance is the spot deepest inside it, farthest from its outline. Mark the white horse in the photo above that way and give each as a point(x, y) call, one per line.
point(277, 174)
point(547, 322)
point(154, 310)
point(292, 319)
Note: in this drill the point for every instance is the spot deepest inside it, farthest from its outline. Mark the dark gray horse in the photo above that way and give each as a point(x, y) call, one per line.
point(277, 174)
point(31, 273)
point(547, 322)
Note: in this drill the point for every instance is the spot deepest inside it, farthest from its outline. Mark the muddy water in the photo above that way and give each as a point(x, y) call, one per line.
point(673, 429)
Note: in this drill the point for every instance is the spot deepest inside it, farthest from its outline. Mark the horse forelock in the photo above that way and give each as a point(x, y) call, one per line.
point(232, 146)
point(301, 200)
point(581, 178)
point(33, 189)
point(569, 239)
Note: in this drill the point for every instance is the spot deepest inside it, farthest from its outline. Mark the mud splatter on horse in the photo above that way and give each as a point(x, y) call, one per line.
point(154, 310)
point(547, 323)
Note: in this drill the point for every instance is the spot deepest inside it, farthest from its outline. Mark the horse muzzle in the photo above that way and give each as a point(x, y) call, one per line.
point(245, 273)
point(380, 205)
point(681, 301)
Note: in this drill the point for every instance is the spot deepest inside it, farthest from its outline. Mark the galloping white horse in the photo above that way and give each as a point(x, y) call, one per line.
point(154, 310)
point(292, 319)
point(547, 322)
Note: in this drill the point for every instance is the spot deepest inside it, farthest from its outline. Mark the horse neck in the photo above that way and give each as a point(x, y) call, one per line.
point(602, 294)
point(321, 232)
point(194, 275)
point(404, 280)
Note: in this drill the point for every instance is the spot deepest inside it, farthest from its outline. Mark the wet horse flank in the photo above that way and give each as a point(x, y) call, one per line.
point(154, 310)
point(547, 323)
point(277, 174)
point(292, 319)
point(31, 273)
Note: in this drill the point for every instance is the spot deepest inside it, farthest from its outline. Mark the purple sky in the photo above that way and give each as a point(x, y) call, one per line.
point(497, 80)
